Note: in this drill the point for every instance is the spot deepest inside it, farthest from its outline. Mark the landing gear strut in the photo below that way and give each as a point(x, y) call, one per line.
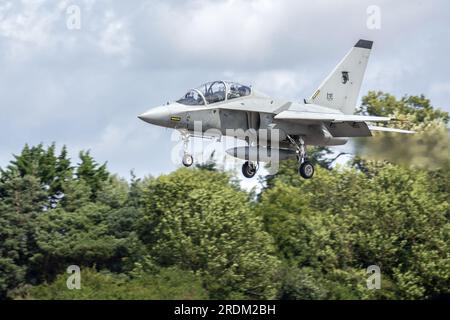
point(306, 168)
point(187, 160)
point(249, 169)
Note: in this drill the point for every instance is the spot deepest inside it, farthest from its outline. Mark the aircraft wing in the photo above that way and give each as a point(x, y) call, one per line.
point(329, 117)
point(338, 124)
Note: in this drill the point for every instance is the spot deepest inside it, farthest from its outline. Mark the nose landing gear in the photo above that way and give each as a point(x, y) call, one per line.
point(187, 159)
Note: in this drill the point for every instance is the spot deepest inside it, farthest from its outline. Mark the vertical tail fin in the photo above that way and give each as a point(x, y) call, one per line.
point(340, 89)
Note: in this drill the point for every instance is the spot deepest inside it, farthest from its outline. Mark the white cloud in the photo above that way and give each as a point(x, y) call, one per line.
point(30, 21)
point(114, 38)
point(221, 30)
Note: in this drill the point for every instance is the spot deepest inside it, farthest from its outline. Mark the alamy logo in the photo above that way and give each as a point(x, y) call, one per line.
point(373, 17)
point(73, 21)
point(74, 280)
point(374, 280)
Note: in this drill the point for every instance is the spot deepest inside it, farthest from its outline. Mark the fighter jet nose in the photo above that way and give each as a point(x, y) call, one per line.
point(158, 116)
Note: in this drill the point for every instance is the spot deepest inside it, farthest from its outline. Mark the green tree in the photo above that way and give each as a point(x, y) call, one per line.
point(27, 163)
point(23, 195)
point(113, 192)
point(136, 191)
point(416, 109)
point(82, 237)
point(63, 174)
point(22, 198)
point(197, 220)
point(302, 284)
point(92, 173)
point(167, 284)
point(76, 194)
point(41, 163)
point(12, 250)
point(342, 221)
point(428, 148)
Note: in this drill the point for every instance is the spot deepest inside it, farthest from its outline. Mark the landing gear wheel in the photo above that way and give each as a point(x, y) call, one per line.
point(188, 160)
point(249, 169)
point(306, 170)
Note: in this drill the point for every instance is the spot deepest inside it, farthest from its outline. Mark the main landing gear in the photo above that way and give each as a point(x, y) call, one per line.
point(249, 169)
point(306, 168)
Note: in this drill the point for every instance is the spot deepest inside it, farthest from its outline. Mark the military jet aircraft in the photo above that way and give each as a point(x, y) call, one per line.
point(324, 119)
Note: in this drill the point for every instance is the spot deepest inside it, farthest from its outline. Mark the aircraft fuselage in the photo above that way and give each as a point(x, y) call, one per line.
point(233, 118)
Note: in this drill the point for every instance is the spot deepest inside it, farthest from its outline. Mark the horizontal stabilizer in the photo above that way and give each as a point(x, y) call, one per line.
point(375, 128)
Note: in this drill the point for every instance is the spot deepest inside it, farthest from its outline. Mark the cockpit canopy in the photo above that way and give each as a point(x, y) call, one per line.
point(215, 91)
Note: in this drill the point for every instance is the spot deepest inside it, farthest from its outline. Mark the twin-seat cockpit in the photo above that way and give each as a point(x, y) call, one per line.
point(213, 92)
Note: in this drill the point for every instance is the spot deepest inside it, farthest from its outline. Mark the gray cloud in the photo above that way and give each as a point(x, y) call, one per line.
point(85, 87)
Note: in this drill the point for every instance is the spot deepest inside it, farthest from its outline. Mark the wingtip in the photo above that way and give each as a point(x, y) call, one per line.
point(366, 44)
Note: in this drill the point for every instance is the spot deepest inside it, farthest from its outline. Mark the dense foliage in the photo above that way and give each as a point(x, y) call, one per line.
point(194, 234)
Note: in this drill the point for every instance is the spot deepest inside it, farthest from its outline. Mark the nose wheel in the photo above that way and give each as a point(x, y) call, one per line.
point(187, 159)
point(249, 169)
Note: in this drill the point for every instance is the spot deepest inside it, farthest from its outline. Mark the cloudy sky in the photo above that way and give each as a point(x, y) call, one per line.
point(83, 87)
